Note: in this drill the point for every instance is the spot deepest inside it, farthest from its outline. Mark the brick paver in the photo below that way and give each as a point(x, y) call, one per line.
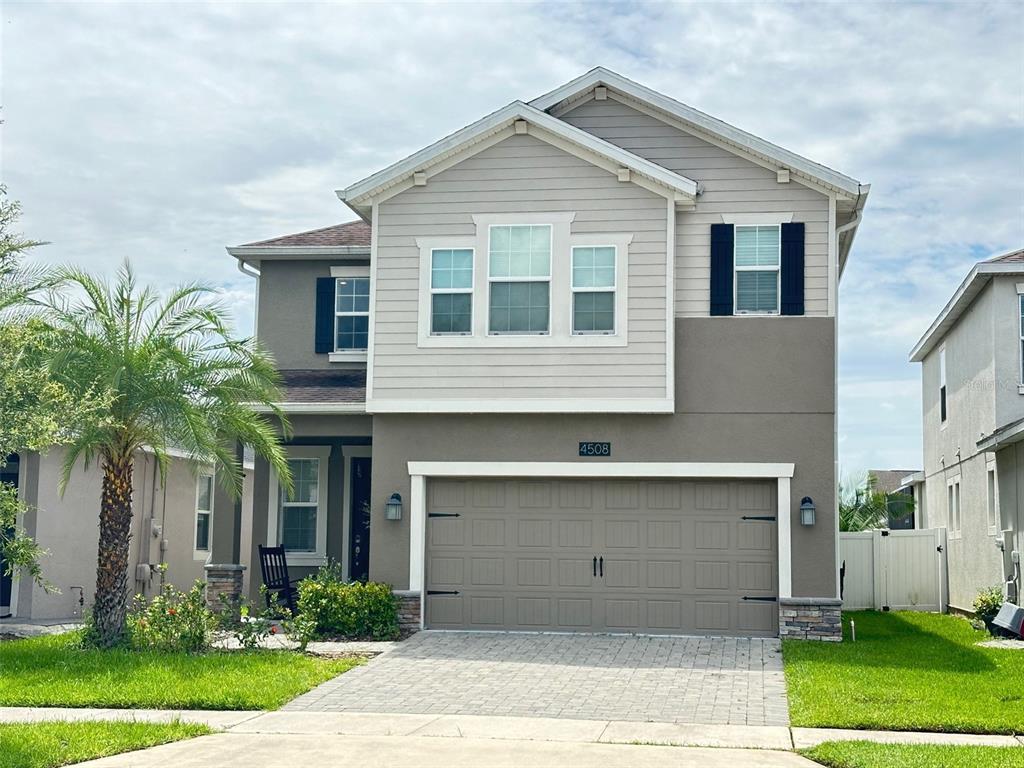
point(729, 681)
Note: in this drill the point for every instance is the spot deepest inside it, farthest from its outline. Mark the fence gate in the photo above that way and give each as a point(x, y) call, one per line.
point(894, 570)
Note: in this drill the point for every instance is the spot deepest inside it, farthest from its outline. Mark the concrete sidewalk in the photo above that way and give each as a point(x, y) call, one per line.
point(496, 728)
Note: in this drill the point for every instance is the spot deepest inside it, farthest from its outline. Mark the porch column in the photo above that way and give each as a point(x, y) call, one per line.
point(224, 571)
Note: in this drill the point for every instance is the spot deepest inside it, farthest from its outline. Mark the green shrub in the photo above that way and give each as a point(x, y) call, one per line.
point(987, 604)
point(329, 607)
point(171, 621)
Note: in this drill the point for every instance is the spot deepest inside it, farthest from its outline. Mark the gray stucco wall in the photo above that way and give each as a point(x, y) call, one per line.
point(747, 390)
point(287, 310)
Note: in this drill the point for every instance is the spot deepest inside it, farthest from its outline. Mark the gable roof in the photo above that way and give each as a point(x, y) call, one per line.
point(701, 122)
point(349, 239)
point(1011, 263)
point(359, 196)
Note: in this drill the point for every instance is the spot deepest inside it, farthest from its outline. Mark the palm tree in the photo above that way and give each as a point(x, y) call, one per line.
point(175, 378)
point(862, 507)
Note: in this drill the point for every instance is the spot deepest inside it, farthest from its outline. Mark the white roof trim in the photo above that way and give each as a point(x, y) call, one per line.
point(916, 477)
point(1006, 435)
point(635, 469)
point(371, 186)
point(701, 121)
point(314, 408)
point(972, 285)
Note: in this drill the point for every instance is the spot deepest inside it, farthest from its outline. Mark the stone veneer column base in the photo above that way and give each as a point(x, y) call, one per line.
point(224, 586)
point(408, 610)
point(811, 618)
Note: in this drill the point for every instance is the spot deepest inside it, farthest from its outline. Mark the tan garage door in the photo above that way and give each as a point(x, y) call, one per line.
point(602, 556)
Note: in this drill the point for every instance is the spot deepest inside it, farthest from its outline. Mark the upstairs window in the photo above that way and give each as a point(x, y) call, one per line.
point(519, 274)
point(756, 261)
point(451, 291)
point(204, 511)
point(351, 314)
point(942, 385)
point(593, 290)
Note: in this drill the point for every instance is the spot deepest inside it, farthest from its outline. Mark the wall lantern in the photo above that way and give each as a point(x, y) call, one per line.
point(393, 507)
point(806, 511)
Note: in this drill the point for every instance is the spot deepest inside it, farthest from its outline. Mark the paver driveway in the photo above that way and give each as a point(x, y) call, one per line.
point(607, 677)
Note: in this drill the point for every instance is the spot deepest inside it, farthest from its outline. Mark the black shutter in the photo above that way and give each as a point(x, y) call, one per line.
point(323, 337)
point(791, 302)
point(721, 269)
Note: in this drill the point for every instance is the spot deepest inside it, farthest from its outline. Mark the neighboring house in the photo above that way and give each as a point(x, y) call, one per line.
point(172, 523)
point(972, 378)
point(573, 370)
point(892, 482)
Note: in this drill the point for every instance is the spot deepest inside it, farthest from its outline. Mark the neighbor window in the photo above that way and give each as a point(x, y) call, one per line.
point(953, 507)
point(993, 500)
point(756, 266)
point(593, 290)
point(351, 313)
point(297, 519)
point(942, 385)
point(451, 291)
point(204, 511)
point(519, 273)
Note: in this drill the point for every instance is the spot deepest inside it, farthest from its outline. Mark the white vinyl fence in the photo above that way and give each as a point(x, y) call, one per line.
point(894, 570)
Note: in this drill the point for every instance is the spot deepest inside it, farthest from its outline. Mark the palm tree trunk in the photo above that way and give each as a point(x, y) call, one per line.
point(111, 604)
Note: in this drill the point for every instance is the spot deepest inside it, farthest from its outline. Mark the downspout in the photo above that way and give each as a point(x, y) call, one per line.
point(858, 215)
point(245, 269)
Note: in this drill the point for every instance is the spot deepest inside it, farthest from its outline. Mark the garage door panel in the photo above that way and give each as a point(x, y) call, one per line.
point(521, 555)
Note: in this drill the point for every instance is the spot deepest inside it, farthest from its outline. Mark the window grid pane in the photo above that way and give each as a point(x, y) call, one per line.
point(593, 312)
point(757, 246)
point(451, 313)
point(451, 268)
point(204, 494)
point(757, 291)
point(298, 527)
point(519, 307)
point(203, 531)
point(593, 267)
point(353, 332)
point(520, 251)
point(305, 481)
point(352, 294)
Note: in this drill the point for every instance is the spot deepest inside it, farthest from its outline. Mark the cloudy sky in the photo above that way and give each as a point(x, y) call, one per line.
point(163, 132)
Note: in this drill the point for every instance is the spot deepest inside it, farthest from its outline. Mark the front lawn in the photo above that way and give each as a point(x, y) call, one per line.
point(866, 754)
point(908, 671)
point(54, 672)
point(48, 745)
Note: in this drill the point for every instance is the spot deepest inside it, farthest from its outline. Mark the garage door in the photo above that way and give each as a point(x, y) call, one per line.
point(602, 556)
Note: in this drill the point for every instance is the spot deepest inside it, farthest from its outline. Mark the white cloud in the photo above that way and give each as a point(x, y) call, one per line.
point(163, 132)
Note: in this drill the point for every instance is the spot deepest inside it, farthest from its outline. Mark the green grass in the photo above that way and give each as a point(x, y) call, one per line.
point(907, 671)
point(47, 745)
point(54, 672)
point(865, 754)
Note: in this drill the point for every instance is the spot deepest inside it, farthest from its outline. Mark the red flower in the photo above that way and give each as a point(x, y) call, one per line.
point(171, 612)
point(273, 630)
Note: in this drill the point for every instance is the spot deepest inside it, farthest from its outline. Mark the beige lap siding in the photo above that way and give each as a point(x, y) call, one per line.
point(519, 175)
point(732, 185)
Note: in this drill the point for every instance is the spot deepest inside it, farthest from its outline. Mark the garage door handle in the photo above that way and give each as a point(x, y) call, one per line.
point(601, 565)
point(595, 565)
point(442, 591)
point(764, 599)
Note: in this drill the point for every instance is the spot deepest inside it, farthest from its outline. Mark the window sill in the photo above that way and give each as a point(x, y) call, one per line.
point(358, 356)
point(201, 555)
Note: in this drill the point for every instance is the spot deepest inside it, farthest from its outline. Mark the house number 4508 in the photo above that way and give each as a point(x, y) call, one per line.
point(595, 449)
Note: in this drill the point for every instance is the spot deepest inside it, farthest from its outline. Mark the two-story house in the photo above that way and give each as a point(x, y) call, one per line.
point(573, 369)
point(972, 386)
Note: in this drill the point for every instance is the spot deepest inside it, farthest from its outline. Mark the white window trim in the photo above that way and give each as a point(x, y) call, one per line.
point(992, 499)
point(613, 289)
point(942, 385)
point(1020, 332)
point(349, 355)
point(560, 328)
point(736, 269)
point(491, 279)
point(420, 471)
point(432, 291)
point(757, 219)
point(204, 554)
point(319, 556)
point(954, 511)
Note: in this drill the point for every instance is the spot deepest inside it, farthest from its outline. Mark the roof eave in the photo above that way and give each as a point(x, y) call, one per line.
point(968, 290)
point(246, 252)
point(701, 121)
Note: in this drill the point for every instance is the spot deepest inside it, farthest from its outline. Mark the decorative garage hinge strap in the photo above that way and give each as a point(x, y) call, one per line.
point(442, 591)
point(443, 514)
point(771, 518)
point(762, 599)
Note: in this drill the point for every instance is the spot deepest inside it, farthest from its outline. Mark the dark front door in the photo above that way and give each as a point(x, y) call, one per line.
point(359, 531)
point(8, 474)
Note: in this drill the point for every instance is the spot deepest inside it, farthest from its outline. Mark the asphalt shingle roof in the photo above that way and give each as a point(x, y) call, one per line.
point(316, 386)
point(353, 233)
point(1008, 258)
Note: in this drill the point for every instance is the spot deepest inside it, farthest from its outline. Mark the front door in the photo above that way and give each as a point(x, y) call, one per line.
point(359, 519)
